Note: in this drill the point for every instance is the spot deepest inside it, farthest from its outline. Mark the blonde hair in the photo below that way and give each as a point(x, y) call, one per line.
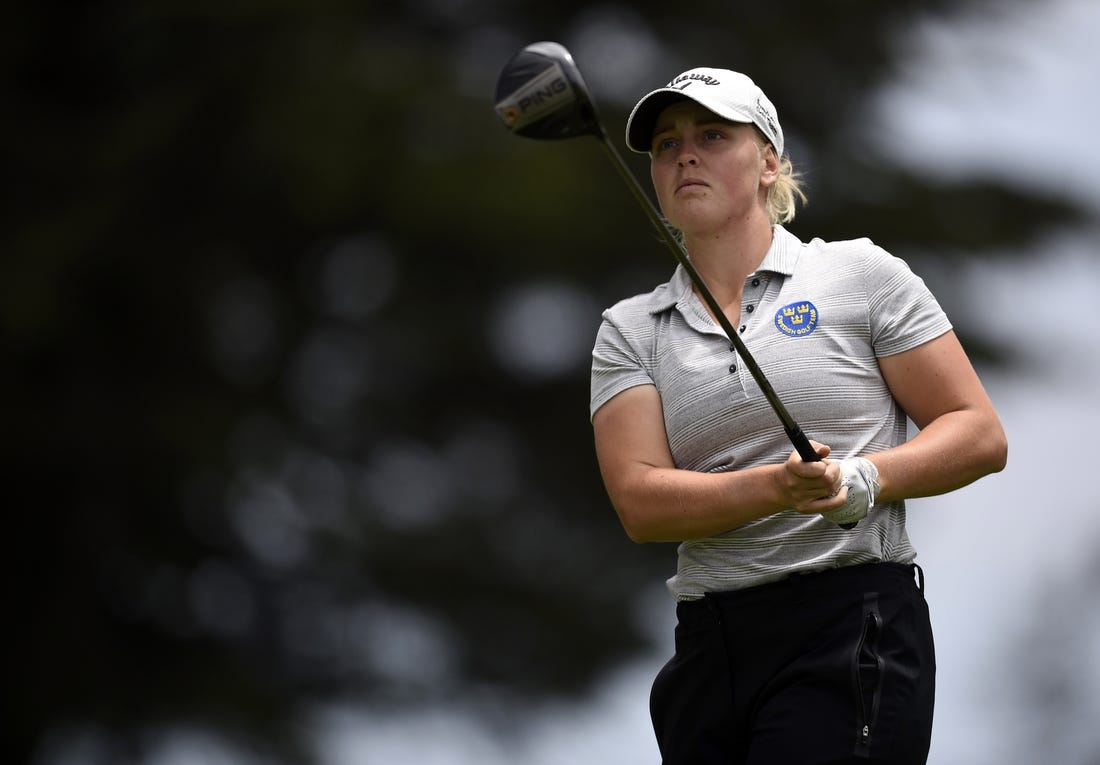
point(786, 192)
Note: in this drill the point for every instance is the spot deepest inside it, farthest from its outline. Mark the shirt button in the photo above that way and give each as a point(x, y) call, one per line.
point(733, 367)
point(741, 330)
point(755, 282)
point(749, 309)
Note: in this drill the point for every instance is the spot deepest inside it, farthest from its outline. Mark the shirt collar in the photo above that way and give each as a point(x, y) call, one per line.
point(781, 258)
point(783, 254)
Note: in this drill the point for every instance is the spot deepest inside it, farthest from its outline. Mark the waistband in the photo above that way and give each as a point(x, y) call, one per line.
point(815, 584)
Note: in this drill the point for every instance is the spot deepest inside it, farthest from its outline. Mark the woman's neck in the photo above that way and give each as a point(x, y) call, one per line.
point(724, 259)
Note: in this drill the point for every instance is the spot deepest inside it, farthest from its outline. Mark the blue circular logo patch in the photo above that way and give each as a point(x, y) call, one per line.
point(797, 319)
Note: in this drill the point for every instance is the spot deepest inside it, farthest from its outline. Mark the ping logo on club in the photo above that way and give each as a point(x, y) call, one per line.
point(797, 319)
point(541, 96)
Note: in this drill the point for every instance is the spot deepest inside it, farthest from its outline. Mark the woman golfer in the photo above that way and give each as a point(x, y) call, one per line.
point(797, 640)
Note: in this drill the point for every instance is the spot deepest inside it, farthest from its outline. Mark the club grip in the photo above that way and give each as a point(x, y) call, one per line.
point(802, 444)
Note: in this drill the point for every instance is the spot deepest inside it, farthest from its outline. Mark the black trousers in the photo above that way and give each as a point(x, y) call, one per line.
point(833, 667)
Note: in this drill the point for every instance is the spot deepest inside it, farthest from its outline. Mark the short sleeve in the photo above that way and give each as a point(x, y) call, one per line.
point(903, 311)
point(616, 365)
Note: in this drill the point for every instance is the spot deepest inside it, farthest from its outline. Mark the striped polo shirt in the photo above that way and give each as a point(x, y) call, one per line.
point(815, 316)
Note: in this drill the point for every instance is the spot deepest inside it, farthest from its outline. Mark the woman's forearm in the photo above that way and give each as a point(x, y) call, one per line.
point(954, 450)
point(671, 505)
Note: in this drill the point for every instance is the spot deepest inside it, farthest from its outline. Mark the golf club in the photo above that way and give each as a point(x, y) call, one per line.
point(541, 95)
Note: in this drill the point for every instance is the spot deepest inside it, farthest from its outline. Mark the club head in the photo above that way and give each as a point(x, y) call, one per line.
point(541, 94)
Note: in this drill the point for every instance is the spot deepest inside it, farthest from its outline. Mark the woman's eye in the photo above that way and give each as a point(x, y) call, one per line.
point(662, 144)
point(713, 135)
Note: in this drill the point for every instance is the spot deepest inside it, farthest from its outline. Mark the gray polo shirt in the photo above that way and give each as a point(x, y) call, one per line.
point(815, 316)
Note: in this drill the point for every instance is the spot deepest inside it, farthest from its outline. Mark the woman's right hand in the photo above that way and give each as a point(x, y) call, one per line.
point(812, 487)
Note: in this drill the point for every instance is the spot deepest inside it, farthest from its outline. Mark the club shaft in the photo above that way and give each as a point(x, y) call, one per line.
point(794, 432)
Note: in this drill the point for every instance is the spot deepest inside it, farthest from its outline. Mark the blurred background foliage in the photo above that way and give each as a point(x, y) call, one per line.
point(296, 343)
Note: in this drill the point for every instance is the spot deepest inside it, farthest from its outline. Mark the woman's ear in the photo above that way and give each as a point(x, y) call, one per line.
point(769, 172)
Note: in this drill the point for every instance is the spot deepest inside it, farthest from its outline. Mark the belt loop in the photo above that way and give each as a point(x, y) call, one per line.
point(920, 577)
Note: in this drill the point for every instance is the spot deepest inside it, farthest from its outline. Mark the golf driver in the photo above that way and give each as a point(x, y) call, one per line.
point(541, 94)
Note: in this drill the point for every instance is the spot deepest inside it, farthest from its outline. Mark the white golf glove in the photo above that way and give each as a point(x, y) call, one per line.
point(861, 477)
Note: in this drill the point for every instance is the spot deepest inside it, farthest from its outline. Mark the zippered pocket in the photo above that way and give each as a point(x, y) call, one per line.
point(868, 668)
